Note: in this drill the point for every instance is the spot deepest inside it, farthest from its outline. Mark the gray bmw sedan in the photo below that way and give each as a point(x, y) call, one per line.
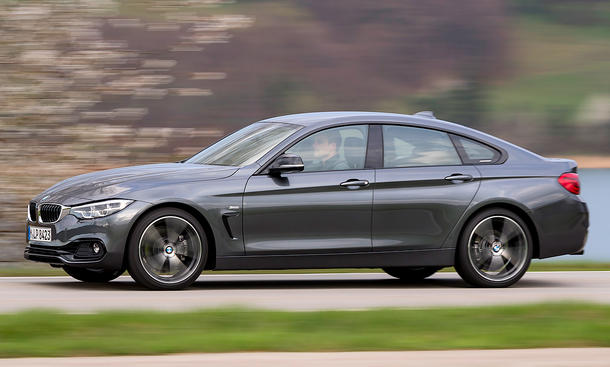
point(410, 194)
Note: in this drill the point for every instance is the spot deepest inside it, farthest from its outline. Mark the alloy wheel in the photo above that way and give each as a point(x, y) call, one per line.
point(170, 249)
point(498, 248)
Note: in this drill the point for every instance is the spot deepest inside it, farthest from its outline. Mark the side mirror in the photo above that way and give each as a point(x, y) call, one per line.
point(286, 163)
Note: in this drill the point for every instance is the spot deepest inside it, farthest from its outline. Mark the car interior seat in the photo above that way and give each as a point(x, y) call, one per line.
point(354, 150)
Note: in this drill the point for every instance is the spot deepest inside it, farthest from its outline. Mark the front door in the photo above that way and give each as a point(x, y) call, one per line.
point(326, 208)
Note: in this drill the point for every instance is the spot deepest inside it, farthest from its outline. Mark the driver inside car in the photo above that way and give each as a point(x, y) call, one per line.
point(326, 152)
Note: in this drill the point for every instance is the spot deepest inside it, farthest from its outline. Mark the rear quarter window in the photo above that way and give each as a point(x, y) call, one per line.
point(474, 152)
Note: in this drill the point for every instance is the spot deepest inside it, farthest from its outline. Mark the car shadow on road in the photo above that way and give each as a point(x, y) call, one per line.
point(210, 284)
point(325, 283)
point(126, 285)
point(353, 284)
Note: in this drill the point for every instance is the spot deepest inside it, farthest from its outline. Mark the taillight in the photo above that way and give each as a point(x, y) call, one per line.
point(570, 182)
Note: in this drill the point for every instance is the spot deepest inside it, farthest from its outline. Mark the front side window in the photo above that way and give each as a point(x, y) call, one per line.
point(406, 146)
point(245, 146)
point(335, 149)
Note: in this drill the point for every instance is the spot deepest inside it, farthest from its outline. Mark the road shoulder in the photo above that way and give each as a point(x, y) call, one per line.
point(556, 357)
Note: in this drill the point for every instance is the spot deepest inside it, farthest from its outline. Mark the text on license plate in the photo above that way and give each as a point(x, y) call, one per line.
point(39, 234)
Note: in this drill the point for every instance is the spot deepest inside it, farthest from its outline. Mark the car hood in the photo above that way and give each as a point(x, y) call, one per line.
point(120, 182)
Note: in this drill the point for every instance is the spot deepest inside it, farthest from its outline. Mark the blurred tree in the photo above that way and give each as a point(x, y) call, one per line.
point(581, 12)
point(352, 54)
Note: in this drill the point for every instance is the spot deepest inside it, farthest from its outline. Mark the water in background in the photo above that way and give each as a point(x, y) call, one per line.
point(595, 191)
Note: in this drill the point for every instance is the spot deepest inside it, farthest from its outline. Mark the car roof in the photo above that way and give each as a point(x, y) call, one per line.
point(321, 118)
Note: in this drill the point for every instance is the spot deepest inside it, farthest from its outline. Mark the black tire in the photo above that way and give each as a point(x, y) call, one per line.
point(412, 274)
point(140, 264)
point(93, 275)
point(511, 249)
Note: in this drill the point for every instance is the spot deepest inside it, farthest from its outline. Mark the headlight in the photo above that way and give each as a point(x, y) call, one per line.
point(99, 209)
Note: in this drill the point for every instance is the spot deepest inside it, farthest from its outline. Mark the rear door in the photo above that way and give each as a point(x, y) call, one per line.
point(422, 190)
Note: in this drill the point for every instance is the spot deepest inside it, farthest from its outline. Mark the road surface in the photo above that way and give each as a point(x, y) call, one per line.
point(301, 292)
point(566, 357)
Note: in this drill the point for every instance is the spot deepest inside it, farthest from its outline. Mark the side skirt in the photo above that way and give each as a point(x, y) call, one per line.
point(435, 257)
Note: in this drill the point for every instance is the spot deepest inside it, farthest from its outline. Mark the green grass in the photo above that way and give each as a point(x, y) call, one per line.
point(28, 269)
point(562, 92)
point(554, 69)
point(582, 265)
point(47, 333)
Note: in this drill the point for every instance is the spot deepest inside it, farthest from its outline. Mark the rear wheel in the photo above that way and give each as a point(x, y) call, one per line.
point(167, 249)
point(495, 249)
point(412, 274)
point(93, 275)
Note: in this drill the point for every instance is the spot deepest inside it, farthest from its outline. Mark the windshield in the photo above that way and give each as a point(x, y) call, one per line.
point(245, 146)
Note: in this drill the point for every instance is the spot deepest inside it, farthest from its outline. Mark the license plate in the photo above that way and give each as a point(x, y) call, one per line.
point(39, 234)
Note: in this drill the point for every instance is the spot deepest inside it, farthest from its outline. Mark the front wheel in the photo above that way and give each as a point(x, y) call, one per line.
point(495, 249)
point(93, 275)
point(412, 274)
point(167, 249)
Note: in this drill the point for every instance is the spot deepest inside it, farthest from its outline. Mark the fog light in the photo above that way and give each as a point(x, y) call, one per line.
point(88, 249)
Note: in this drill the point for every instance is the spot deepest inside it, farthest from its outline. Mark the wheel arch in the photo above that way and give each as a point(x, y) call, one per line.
point(513, 207)
point(211, 258)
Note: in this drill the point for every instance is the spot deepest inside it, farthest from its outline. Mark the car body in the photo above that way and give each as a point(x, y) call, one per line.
point(398, 199)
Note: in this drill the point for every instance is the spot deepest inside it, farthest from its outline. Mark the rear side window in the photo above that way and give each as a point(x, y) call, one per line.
point(475, 152)
point(406, 146)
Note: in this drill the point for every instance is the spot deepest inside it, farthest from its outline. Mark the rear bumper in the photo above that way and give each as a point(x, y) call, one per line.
point(563, 229)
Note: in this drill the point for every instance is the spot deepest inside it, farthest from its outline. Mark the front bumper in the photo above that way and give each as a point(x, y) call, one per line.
point(77, 252)
point(72, 240)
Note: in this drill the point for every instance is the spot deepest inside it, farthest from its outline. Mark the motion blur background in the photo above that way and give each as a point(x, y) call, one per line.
point(96, 84)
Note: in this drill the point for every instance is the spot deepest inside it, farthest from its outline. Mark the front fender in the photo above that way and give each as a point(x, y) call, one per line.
point(217, 202)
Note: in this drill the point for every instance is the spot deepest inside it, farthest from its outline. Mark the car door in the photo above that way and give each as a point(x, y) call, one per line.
point(325, 208)
point(421, 191)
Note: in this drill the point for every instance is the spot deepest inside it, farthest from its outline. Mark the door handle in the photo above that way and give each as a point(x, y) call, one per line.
point(354, 182)
point(458, 177)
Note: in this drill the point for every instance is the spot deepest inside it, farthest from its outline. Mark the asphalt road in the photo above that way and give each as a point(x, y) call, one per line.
point(351, 291)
